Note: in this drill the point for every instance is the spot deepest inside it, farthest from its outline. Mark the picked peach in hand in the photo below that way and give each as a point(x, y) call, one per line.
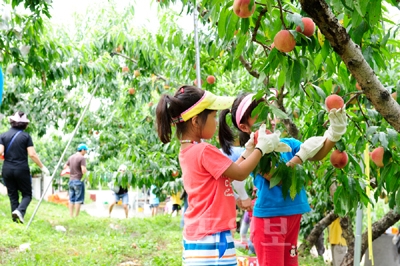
point(334, 101)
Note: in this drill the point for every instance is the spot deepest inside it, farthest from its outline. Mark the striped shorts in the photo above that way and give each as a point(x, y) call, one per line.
point(215, 249)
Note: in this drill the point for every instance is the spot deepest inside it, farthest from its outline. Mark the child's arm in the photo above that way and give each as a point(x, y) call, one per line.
point(316, 148)
point(266, 144)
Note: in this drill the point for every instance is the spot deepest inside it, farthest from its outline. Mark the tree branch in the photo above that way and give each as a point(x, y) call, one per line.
point(378, 228)
point(351, 55)
point(316, 232)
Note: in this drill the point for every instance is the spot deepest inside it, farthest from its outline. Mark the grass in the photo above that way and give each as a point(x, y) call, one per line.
point(88, 240)
point(92, 240)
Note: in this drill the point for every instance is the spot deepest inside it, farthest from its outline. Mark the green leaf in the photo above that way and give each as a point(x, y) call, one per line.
point(240, 45)
point(297, 72)
point(244, 26)
point(222, 22)
point(375, 12)
point(359, 32)
point(371, 130)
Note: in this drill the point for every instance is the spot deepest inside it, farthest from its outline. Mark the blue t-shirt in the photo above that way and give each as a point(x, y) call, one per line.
point(153, 198)
point(270, 201)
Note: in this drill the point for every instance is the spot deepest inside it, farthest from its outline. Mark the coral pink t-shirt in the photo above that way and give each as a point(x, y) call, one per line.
point(211, 202)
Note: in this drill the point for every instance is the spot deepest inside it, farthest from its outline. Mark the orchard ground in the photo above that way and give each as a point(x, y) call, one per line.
point(94, 238)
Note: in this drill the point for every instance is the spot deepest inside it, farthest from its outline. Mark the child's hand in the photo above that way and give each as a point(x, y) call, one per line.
point(281, 147)
point(338, 124)
point(267, 143)
point(249, 146)
point(247, 205)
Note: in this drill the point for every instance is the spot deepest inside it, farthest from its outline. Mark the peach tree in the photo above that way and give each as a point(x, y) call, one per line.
point(354, 42)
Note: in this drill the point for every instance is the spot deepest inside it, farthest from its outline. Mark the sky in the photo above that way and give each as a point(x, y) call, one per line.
point(145, 12)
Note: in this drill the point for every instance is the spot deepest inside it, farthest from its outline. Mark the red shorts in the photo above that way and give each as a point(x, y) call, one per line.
point(275, 240)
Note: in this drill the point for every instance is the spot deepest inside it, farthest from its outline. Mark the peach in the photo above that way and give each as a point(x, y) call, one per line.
point(339, 159)
point(309, 27)
point(210, 79)
point(125, 69)
point(195, 82)
point(377, 156)
point(131, 91)
point(256, 135)
point(358, 86)
point(119, 48)
point(284, 41)
point(334, 101)
point(175, 173)
point(394, 95)
point(244, 8)
point(136, 73)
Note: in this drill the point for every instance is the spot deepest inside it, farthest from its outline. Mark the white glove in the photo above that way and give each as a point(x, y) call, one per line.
point(310, 147)
point(267, 143)
point(240, 189)
point(249, 146)
point(45, 171)
point(338, 124)
point(282, 147)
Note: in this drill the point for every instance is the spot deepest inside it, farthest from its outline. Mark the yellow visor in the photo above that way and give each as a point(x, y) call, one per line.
point(208, 101)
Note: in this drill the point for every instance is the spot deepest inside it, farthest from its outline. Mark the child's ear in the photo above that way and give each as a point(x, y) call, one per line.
point(195, 121)
point(245, 128)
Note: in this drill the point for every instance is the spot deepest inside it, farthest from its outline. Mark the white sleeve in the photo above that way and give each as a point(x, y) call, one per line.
point(239, 188)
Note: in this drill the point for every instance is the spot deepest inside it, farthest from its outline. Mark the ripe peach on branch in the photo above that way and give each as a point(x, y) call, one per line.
point(210, 79)
point(339, 159)
point(244, 8)
point(309, 27)
point(131, 91)
point(284, 41)
point(377, 156)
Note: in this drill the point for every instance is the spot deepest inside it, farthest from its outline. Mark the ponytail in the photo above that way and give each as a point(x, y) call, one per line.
point(163, 119)
point(225, 134)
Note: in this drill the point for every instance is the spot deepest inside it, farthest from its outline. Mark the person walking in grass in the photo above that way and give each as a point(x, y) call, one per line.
point(153, 200)
point(121, 194)
point(176, 203)
point(77, 166)
point(16, 145)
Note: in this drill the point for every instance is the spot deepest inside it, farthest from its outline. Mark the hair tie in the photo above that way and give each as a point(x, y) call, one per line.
point(177, 120)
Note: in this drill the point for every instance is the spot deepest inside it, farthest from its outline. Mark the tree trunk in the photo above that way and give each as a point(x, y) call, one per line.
point(378, 228)
point(351, 55)
point(312, 238)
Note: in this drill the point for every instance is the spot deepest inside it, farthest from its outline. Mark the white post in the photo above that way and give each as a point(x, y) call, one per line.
point(196, 43)
point(358, 235)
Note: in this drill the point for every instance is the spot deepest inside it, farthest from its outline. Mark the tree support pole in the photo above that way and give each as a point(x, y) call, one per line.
point(196, 43)
point(358, 236)
point(62, 156)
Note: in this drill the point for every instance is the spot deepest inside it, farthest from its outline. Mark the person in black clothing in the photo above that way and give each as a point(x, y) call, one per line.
point(121, 194)
point(16, 145)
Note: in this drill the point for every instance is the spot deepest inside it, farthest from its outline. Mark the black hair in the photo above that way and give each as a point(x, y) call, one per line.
point(225, 134)
point(19, 125)
point(170, 107)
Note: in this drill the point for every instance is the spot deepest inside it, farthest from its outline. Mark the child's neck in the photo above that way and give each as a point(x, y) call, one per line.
point(188, 139)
